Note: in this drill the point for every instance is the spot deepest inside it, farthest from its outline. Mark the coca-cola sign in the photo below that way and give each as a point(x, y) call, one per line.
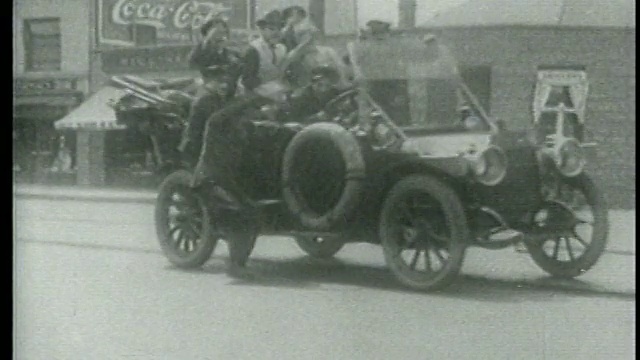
point(174, 20)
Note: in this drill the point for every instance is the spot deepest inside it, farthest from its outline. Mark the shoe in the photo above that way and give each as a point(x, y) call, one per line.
point(520, 247)
point(240, 272)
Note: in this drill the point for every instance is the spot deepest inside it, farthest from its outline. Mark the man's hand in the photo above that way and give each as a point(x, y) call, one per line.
point(274, 90)
point(214, 37)
point(317, 117)
point(209, 40)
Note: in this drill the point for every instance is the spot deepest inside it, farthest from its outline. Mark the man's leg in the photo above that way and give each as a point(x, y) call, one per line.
point(202, 107)
point(241, 243)
point(218, 163)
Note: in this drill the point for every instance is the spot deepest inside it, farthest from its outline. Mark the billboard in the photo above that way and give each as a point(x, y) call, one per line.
point(174, 21)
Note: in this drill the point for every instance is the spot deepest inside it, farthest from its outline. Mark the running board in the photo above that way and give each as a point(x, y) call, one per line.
point(500, 238)
point(299, 233)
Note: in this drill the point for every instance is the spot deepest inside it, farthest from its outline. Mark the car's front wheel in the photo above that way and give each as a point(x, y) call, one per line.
point(424, 233)
point(183, 224)
point(569, 233)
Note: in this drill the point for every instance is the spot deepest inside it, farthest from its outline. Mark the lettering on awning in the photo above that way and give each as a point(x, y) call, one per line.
point(139, 60)
point(30, 86)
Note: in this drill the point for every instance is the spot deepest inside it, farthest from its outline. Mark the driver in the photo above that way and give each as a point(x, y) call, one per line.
point(307, 104)
point(209, 56)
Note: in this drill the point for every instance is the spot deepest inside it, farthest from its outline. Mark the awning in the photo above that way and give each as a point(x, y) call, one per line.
point(95, 113)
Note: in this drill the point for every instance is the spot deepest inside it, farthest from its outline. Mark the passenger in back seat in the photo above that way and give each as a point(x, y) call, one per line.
point(219, 67)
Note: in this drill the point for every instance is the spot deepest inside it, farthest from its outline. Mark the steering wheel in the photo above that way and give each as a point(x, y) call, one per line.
point(333, 106)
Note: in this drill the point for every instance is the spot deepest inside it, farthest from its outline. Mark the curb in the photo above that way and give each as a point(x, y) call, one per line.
point(115, 198)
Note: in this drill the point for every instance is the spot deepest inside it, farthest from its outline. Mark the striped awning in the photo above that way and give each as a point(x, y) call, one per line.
point(95, 113)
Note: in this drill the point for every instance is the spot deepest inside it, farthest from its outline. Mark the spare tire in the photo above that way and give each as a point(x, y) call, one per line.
point(322, 175)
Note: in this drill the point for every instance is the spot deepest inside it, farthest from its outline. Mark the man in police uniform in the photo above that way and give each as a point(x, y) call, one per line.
point(219, 67)
point(222, 149)
point(260, 79)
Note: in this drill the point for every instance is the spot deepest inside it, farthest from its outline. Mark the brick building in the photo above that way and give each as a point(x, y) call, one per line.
point(504, 46)
point(514, 41)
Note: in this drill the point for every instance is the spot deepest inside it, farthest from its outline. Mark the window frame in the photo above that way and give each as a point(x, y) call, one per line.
point(28, 39)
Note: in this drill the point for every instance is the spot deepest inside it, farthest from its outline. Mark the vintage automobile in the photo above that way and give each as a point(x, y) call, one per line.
point(409, 161)
point(157, 109)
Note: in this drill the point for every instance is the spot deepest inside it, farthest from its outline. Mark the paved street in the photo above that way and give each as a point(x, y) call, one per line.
point(92, 284)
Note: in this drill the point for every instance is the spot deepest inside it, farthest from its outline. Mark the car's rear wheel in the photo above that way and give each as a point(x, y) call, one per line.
point(321, 247)
point(570, 231)
point(424, 233)
point(183, 224)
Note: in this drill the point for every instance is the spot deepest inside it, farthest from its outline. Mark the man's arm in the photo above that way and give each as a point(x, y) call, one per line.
point(289, 38)
point(303, 105)
point(250, 69)
point(197, 57)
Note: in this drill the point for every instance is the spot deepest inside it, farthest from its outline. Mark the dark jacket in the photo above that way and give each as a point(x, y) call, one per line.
point(251, 69)
point(289, 38)
point(305, 103)
point(202, 57)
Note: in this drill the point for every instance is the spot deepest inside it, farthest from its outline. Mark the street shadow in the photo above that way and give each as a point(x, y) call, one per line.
point(309, 273)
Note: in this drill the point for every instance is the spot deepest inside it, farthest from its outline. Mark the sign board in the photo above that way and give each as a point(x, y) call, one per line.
point(569, 84)
point(28, 86)
point(141, 60)
point(562, 77)
point(174, 20)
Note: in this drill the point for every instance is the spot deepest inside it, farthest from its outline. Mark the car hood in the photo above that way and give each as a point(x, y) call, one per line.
point(446, 145)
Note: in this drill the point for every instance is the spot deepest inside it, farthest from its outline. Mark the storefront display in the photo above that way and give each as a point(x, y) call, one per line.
point(39, 150)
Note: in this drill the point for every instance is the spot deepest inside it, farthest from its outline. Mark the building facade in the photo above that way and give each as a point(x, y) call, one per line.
point(51, 45)
point(66, 50)
point(505, 48)
point(152, 39)
point(523, 41)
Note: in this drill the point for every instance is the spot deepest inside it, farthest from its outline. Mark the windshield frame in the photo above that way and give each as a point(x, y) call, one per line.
point(468, 98)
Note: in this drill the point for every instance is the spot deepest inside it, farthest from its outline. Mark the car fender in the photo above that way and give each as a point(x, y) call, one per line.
point(393, 167)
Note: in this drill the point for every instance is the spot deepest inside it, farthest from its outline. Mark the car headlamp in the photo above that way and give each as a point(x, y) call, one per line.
point(569, 157)
point(480, 166)
point(382, 134)
point(489, 166)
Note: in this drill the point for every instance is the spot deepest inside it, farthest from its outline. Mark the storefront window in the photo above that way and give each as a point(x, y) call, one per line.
point(43, 51)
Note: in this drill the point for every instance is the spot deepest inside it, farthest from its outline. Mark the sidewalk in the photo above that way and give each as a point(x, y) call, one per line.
point(622, 229)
